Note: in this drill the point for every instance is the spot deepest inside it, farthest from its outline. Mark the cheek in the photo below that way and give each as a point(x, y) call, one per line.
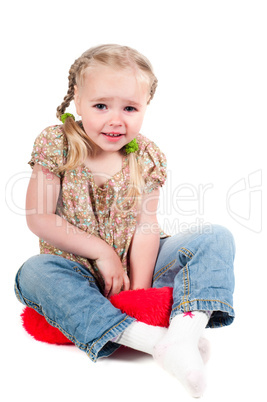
point(134, 128)
point(91, 124)
point(139, 121)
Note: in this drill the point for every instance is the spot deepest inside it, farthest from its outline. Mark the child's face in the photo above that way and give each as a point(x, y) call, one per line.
point(111, 101)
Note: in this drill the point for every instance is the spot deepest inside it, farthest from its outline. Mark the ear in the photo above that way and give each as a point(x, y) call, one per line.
point(77, 100)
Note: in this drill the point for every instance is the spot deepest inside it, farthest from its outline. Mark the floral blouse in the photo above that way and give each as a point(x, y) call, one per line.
point(91, 208)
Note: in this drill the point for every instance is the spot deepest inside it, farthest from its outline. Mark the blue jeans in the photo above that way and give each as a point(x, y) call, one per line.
point(199, 267)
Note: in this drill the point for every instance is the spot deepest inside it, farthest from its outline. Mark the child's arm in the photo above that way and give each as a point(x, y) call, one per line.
point(41, 202)
point(145, 243)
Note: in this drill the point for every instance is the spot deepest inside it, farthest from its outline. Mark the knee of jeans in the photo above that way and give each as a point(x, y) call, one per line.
point(30, 274)
point(223, 233)
point(28, 269)
point(223, 238)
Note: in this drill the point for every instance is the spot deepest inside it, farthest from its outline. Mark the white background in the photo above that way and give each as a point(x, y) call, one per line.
point(208, 116)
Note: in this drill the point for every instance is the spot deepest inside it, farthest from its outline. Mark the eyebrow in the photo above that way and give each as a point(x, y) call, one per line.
point(130, 102)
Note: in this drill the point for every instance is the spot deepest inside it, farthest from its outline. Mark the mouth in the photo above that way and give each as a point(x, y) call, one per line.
point(113, 136)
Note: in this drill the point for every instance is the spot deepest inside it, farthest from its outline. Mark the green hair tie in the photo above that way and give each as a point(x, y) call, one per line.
point(64, 116)
point(131, 146)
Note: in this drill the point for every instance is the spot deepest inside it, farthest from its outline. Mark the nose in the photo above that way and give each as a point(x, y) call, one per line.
point(115, 119)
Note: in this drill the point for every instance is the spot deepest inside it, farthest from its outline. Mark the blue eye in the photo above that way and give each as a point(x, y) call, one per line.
point(130, 109)
point(100, 106)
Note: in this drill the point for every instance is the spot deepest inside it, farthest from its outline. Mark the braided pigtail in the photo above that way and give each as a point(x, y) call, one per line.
point(73, 72)
point(79, 144)
point(68, 98)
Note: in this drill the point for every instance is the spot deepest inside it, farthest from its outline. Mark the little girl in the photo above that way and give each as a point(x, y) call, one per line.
point(92, 200)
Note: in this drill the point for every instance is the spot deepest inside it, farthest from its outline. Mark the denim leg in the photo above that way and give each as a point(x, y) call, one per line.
point(68, 296)
point(199, 267)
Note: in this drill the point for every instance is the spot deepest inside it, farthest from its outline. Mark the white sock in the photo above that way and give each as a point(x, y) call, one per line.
point(204, 349)
point(141, 336)
point(178, 351)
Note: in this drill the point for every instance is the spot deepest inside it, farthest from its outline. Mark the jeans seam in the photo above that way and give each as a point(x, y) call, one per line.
point(186, 284)
point(186, 252)
point(205, 300)
point(89, 352)
point(30, 302)
point(70, 337)
point(163, 270)
point(88, 277)
point(186, 277)
point(19, 294)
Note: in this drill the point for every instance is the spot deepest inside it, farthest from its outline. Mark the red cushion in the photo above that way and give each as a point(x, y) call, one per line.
point(151, 306)
point(37, 326)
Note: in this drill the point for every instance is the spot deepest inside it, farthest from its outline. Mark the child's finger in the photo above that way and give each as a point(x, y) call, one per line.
point(108, 287)
point(126, 282)
point(116, 286)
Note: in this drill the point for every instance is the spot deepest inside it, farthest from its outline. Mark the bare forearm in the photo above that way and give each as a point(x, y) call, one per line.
point(61, 234)
point(143, 255)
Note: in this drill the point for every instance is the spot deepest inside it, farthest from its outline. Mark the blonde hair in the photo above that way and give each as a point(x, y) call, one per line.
point(79, 144)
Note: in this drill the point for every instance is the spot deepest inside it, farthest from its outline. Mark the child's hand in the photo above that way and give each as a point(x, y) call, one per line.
point(115, 278)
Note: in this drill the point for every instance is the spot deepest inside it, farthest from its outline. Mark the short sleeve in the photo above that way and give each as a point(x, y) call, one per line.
point(50, 149)
point(154, 164)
